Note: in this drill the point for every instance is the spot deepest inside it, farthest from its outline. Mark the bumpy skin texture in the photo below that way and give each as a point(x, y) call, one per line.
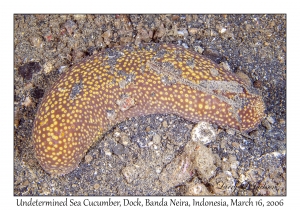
point(107, 88)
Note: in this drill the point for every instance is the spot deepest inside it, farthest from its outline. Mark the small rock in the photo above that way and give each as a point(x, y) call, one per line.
point(175, 17)
point(225, 65)
point(17, 119)
point(27, 101)
point(201, 159)
point(222, 30)
point(111, 115)
point(117, 134)
point(193, 31)
point(282, 121)
point(244, 77)
point(213, 55)
point(160, 32)
point(156, 139)
point(165, 124)
point(96, 186)
point(28, 87)
point(48, 67)
point(107, 34)
point(148, 128)
point(183, 33)
point(236, 145)
point(271, 119)
point(198, 49)
point(185, 45)
point(118, 149)
point(230, 131)
point(130, 173)
point(124, 139)
point(213, 33)
point(197, 189)
point(204, 133)
point(176, 173)
point(158, 170)
point(79, 17)
point(188, 18)
point(62, 69)
point(254, 133)
point(107, 151)
point(266, 124)
point(88, 158)
point(257, 84)
point(37, 41)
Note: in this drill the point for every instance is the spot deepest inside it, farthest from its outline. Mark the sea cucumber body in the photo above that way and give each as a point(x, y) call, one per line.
point(109, 87)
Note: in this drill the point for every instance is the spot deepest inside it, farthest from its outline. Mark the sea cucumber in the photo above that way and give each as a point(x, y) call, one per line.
point(120, 83)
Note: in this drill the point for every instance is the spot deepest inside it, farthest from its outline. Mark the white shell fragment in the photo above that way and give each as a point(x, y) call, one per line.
point(204, 133)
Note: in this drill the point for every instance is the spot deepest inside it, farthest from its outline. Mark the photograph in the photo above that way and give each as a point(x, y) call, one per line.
point(149, 105)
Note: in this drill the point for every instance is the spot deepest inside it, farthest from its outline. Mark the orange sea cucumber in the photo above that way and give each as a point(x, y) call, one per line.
point(109, 87)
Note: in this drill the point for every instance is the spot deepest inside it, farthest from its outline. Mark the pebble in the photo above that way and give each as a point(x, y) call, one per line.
point(165, 124)
point(62, 69)
point(37, 41)
point(257, 84)
point(203, 132)
point(117, 134)
point(17, 118)
point(213, 55)
point(198, 49)
point(107, 151)
point(175, 17)
point(124, 139)
point(118, 149)
point(282, 121)
point(197, 189)
point(254, 133)
point(48, 67)
point(225, 65)
point(79, 17)
point(271, 119)
point(193, 31)
point(107, 34)
point(96, 186)
point(183, 33)
point(230, 131)
point(130, 173)
point(266, 124)
point(88, 158)
point(185, 45)
point(156, 139)
point(27, 101)
point(236, 145)
point(244, 77)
